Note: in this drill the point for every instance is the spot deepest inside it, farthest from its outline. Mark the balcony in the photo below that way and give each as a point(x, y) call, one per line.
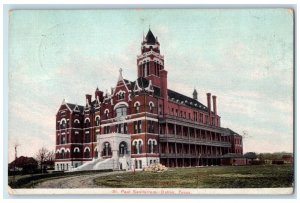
point(192, 140)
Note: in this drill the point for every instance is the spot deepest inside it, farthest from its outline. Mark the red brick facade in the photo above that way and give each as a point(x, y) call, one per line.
point(176, 129)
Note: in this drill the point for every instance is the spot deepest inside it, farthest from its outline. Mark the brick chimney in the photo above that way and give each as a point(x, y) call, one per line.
point(88, 99)
point(208, 102)
point(164, 87)
point(215, 104)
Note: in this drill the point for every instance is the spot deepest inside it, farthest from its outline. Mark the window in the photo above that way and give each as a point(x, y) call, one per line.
point(137, 107)
point(139, 126)
point(201, 117)
point(125, 128)
point(121, 111)
point(76, 123)
point(63, 124)
point(151, 105)
point(151, 126)
point(160, 109)
point(176, 112)
point(122, 128)
point(122, 148)
point(96, 153)
point(106, 129)
point(87, 123)
point(140, 150)
point(97, 121)
point(136, 164)
point(137, 146)
point(106, 113)
point(140, 163)
point(152, 146)
point(87, 137)
point(106, 149)
point(135, 127)
point(87, 153)
point(121, 95)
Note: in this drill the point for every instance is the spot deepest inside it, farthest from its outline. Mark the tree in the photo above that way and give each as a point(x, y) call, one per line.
point(250, 155)
point(43, 156)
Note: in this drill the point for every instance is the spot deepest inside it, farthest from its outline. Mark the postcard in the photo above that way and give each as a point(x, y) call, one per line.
point(151, 101)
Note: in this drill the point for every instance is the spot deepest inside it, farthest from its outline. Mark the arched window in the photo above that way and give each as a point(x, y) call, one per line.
point(152, 143)
point(97, 121)
point(137, 107)
point(121, 111)
point(87, 123)
point(63, 124)
point(87, 153)
point(122, 148)
point(96, 153)
point(150, 146)
point(106, 149)
point(151, 106)
point(76, 123)
point(63, 154)
point(106, 113)
point(140, 151)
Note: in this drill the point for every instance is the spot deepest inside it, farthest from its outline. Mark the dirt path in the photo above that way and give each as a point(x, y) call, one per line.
point(80, 181)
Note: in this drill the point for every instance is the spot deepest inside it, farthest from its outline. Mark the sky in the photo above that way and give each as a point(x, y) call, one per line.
point(243, 56)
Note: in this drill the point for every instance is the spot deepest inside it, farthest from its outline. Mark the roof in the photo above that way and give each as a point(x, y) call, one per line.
point(72, 106)
point(22, 161)
point(177, 97)
point(231, 132)
point(150, 39)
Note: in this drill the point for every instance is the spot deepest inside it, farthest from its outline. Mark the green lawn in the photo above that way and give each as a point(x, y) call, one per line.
point(260, 176)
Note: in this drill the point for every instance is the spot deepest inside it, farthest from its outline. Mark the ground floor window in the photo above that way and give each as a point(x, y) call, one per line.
point(140, 163)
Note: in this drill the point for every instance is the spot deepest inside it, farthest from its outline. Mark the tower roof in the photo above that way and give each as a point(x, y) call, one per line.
point(150, 39)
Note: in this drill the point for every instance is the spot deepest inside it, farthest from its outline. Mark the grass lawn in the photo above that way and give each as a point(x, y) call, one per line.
point(256, 176)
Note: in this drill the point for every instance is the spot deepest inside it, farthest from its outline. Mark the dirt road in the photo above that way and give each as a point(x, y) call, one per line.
point(80, 181)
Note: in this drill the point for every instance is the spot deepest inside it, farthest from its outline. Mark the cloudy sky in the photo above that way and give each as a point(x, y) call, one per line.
point(245, 57)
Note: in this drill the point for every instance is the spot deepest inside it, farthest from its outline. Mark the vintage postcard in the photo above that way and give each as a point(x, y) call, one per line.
point(151, 101)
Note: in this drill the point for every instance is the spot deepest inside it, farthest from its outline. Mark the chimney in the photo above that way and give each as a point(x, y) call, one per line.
point(215, 104)
point(164, 83)
point(99, 95)
point(164, 88)
point(88, 99)
point(208, 103)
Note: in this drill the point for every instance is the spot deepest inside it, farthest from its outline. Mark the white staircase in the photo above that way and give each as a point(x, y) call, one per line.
point(97, 164)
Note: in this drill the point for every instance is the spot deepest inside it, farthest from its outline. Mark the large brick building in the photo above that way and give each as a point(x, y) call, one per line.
point(142, 122)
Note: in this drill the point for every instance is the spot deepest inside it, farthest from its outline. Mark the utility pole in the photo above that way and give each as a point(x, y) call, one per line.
point(16, 146)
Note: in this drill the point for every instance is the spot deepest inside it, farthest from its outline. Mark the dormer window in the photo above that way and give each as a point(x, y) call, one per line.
point(121, 95)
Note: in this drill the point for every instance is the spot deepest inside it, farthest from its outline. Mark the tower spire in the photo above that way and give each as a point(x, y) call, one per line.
point(120, 75)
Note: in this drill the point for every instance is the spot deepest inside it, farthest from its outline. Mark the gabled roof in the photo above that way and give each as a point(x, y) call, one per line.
point(177, 97)
point(150, 39)
point(72, 106)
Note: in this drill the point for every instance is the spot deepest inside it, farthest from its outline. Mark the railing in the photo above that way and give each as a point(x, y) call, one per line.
point(183, 155)
point(191, 140)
